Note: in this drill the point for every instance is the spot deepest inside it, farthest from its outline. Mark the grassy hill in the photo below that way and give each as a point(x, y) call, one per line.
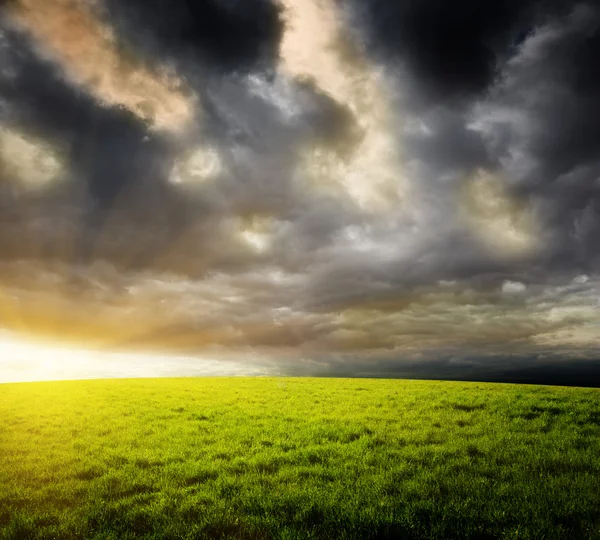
point(298, 458)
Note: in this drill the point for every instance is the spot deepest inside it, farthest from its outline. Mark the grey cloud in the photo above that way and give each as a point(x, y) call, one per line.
point(224, 34)
point(539, 121)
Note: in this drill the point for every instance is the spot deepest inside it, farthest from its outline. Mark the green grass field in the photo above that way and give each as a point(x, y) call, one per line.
point(298, 458)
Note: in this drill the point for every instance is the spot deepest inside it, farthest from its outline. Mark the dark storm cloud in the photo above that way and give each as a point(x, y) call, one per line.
point(107, 147)
point(226, 34)
point(117, 171)
point(254, 255)
point(508, 87)
point(35, 93)
point(453, 48)
point(122, 163)
point(540, 122)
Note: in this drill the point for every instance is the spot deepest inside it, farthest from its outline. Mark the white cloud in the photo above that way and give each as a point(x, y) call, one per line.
point(513, 287)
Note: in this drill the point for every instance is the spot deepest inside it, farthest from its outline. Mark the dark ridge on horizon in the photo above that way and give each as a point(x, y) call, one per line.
point(584, 374)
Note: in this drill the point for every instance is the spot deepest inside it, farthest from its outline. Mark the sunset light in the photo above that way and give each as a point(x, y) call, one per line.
point(25, 360)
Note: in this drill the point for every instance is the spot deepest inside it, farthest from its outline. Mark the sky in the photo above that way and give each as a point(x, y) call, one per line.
point(300, 187)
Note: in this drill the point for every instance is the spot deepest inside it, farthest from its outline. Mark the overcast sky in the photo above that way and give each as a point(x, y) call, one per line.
point(305, 186)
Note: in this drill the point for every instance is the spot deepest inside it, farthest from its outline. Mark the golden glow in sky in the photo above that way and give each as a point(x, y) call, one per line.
point(70, 33)
point(26, 360)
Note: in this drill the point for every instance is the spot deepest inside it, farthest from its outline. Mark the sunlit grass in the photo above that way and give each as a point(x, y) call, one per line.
point(298, 458)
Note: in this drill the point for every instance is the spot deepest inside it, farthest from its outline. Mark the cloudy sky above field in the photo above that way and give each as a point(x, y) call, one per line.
point(302, 186)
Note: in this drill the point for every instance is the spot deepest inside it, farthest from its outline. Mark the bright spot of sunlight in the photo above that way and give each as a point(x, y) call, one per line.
point(25, 360)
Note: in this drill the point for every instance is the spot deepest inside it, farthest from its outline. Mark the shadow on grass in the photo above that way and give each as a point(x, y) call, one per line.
point(466, 407)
